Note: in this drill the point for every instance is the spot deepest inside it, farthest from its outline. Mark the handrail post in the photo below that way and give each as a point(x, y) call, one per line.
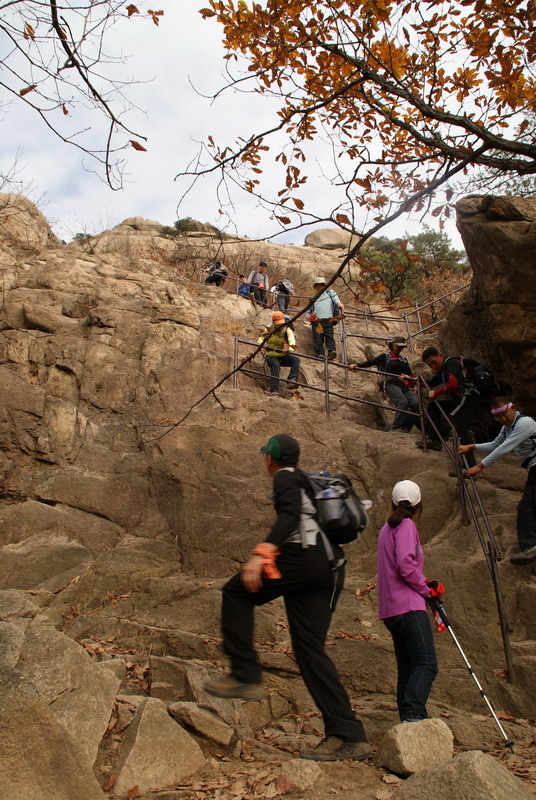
point(421, 415)
point(408, 329)
point(326, 383)
point(344, 350)
point(235, 364)
point(459, 474)
point(418, 313)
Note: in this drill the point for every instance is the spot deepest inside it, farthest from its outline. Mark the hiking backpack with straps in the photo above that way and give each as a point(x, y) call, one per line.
point(340, 513)
point(481, 376)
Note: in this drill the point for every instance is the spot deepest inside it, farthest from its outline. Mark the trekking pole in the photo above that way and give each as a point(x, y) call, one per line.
point(436, 605)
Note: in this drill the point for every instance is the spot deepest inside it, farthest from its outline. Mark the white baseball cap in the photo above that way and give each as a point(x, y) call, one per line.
point(406, 490)
point(319, 280)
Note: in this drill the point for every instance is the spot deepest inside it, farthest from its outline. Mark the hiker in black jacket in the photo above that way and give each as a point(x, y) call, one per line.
point(292, 563)
point(455, 391)
point(393, 365)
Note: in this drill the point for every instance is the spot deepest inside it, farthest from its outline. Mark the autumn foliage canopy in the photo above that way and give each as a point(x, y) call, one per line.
point(408, 93)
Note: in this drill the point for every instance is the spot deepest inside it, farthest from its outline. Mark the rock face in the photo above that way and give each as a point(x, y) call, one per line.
point(131, 487)
point(330, 239)
point(21, 222)
point(496, 318)
point(471, 776)
point(410, 747)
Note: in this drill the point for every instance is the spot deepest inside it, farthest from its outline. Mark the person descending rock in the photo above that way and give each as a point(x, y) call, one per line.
point(457, 395)
point(322, 316)
point(277, 347)
point(394, 367)
point(216, 274)
point(518, 436)
point(402, 594)
point(260, 284)
point(291, 563)
point(282, 292)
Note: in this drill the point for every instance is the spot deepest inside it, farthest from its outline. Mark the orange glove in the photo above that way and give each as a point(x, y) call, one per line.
point(268, 561)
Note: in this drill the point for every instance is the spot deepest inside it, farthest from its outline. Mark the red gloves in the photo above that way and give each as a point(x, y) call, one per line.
point(436, 588)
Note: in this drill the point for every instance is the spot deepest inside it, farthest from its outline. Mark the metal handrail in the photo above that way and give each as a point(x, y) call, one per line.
point(328, 391)
point(490, 548)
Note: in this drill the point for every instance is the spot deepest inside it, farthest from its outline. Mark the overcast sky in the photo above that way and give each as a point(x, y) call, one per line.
point(183, 52)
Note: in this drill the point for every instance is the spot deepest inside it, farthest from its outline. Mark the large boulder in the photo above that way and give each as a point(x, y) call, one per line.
point(469, 776)
point(21, 222)
point(496, 320)
point(410, 747)
point(331, 239)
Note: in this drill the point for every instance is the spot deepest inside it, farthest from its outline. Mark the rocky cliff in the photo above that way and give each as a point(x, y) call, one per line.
point(496, 320)
point(125, 503)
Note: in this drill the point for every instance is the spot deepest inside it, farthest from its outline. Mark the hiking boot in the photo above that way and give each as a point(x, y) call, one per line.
point(228, 686)
point(332, 355)
point(526, 556)
point(332, 749)
point(429, 444)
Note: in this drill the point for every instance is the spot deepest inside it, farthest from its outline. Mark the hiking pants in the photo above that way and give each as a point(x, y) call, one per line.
point(310, 591)
point(463, 420)
point(327, 336)
point(282, 300)
point(526, 513)
point(416, 662)
point(403, 398)
point(216, 278)
point(260, 294)
point(276, 362)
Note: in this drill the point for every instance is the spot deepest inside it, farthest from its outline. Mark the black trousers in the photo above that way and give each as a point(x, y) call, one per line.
point(463, 420)
point(526, 513)
point(310, 591)
point(326, 335)
point(259, 294)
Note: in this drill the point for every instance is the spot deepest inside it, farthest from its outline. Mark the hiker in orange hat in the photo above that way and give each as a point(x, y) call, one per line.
point(277, 351)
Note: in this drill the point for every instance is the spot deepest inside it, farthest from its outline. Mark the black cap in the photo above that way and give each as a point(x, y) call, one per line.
point(283, 448)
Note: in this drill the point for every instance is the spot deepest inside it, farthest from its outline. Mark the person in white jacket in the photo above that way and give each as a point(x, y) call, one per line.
point(518, 436)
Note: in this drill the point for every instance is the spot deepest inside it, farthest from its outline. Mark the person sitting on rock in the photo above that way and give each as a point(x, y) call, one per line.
point(455, 394)
point(244, 289)
point(394, 366)
point(322, 316)
point(518, 436)
point(291, 563)
point(260, 284)
point(277, 347)
point(216, 274)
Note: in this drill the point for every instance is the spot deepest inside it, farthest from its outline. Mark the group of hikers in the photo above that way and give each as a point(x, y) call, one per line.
point(298, 562)
point(256, 287)
point(293, 562)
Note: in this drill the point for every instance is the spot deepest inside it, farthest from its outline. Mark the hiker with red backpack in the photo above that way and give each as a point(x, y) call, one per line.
point(453, 390)
point(518, 436)
point(402, 601)
point(397, 378)
point(292, 562)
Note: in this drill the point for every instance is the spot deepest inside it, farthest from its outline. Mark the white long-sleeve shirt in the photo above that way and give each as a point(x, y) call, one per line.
point(518, 438)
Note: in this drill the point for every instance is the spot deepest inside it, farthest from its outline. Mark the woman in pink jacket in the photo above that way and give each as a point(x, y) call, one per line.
point(402, 593)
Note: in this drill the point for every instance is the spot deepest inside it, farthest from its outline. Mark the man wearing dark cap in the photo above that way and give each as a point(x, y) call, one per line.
point(394, 366)
point(291, 563)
